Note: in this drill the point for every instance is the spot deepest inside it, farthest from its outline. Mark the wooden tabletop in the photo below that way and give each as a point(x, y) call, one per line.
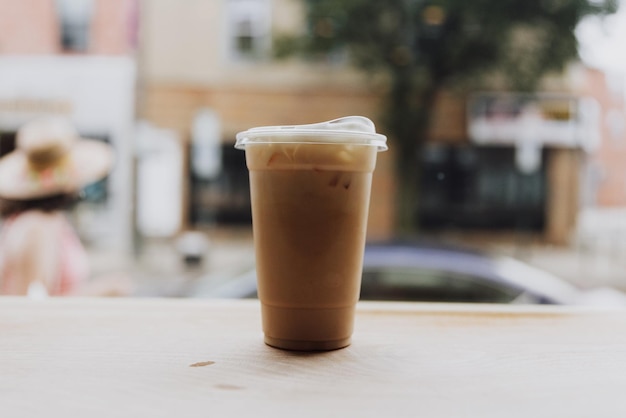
point(196, 358)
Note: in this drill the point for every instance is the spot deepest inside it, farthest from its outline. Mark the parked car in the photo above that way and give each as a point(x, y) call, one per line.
point(434, 273)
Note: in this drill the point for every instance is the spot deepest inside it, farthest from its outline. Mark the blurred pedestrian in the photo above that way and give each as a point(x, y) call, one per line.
point(40, 252)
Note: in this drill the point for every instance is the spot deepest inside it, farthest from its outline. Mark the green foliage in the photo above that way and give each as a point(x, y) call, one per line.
point(429, 45)
point(443, 40)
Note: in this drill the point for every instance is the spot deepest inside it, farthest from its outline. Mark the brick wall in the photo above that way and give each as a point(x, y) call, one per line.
point(609, 161)
point(32, 27)
point(114, 27)
point(28, 27)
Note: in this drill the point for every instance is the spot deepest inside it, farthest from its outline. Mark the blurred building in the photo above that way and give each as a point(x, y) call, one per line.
point(605, 169)
point(76, 58)
point(208, 63)
point(199, 71)
point(215, 56)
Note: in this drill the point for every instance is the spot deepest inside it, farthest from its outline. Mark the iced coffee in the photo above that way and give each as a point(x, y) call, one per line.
point(310, 189)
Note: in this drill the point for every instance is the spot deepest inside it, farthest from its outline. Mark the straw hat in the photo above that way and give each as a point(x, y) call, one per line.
point(50, 158)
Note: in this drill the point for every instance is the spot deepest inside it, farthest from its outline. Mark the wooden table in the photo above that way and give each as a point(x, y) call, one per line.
point(196, 358)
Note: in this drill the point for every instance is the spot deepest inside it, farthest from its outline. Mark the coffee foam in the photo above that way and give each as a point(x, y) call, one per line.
point(310, 156)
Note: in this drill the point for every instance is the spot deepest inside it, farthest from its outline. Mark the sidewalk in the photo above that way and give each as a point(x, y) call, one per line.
point(583, 266)
point(159, 269)
point(597, 254)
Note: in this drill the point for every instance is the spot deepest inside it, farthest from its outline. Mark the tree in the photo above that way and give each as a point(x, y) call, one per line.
point(427, 46)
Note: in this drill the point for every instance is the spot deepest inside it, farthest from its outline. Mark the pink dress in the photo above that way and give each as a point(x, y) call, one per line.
point(58, 253)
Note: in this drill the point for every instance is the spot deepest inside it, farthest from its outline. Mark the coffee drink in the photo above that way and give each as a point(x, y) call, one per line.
point(310, 197)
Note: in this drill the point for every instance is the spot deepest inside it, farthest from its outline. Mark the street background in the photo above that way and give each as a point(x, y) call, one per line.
point(524, 157)
point(593, 260)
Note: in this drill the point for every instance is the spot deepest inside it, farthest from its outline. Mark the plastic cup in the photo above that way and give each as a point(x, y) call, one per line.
point(310, 191)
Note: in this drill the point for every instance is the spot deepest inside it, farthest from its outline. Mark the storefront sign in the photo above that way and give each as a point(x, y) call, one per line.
point(543, 119)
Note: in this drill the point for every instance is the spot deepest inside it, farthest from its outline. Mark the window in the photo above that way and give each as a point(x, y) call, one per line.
point(416, 284)
point(7, 142)
point(224, 199)
point(249, 29)
point(74, 24)
point(480, 188)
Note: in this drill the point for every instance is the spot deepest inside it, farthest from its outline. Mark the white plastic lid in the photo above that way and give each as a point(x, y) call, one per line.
point(348, 130)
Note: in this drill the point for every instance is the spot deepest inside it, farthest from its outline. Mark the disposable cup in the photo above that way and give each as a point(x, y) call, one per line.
point(310, 192)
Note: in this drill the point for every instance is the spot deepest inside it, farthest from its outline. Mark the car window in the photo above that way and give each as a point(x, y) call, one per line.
point(410, 284)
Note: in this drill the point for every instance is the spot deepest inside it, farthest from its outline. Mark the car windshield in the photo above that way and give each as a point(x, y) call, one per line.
point(411, 284)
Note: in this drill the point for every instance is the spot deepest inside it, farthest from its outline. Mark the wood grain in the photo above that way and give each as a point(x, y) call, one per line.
point(194, 358)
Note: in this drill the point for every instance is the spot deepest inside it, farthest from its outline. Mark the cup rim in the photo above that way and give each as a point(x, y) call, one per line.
point(310, 134)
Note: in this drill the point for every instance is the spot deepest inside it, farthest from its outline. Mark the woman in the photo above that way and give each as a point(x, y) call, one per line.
point(40, 253)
